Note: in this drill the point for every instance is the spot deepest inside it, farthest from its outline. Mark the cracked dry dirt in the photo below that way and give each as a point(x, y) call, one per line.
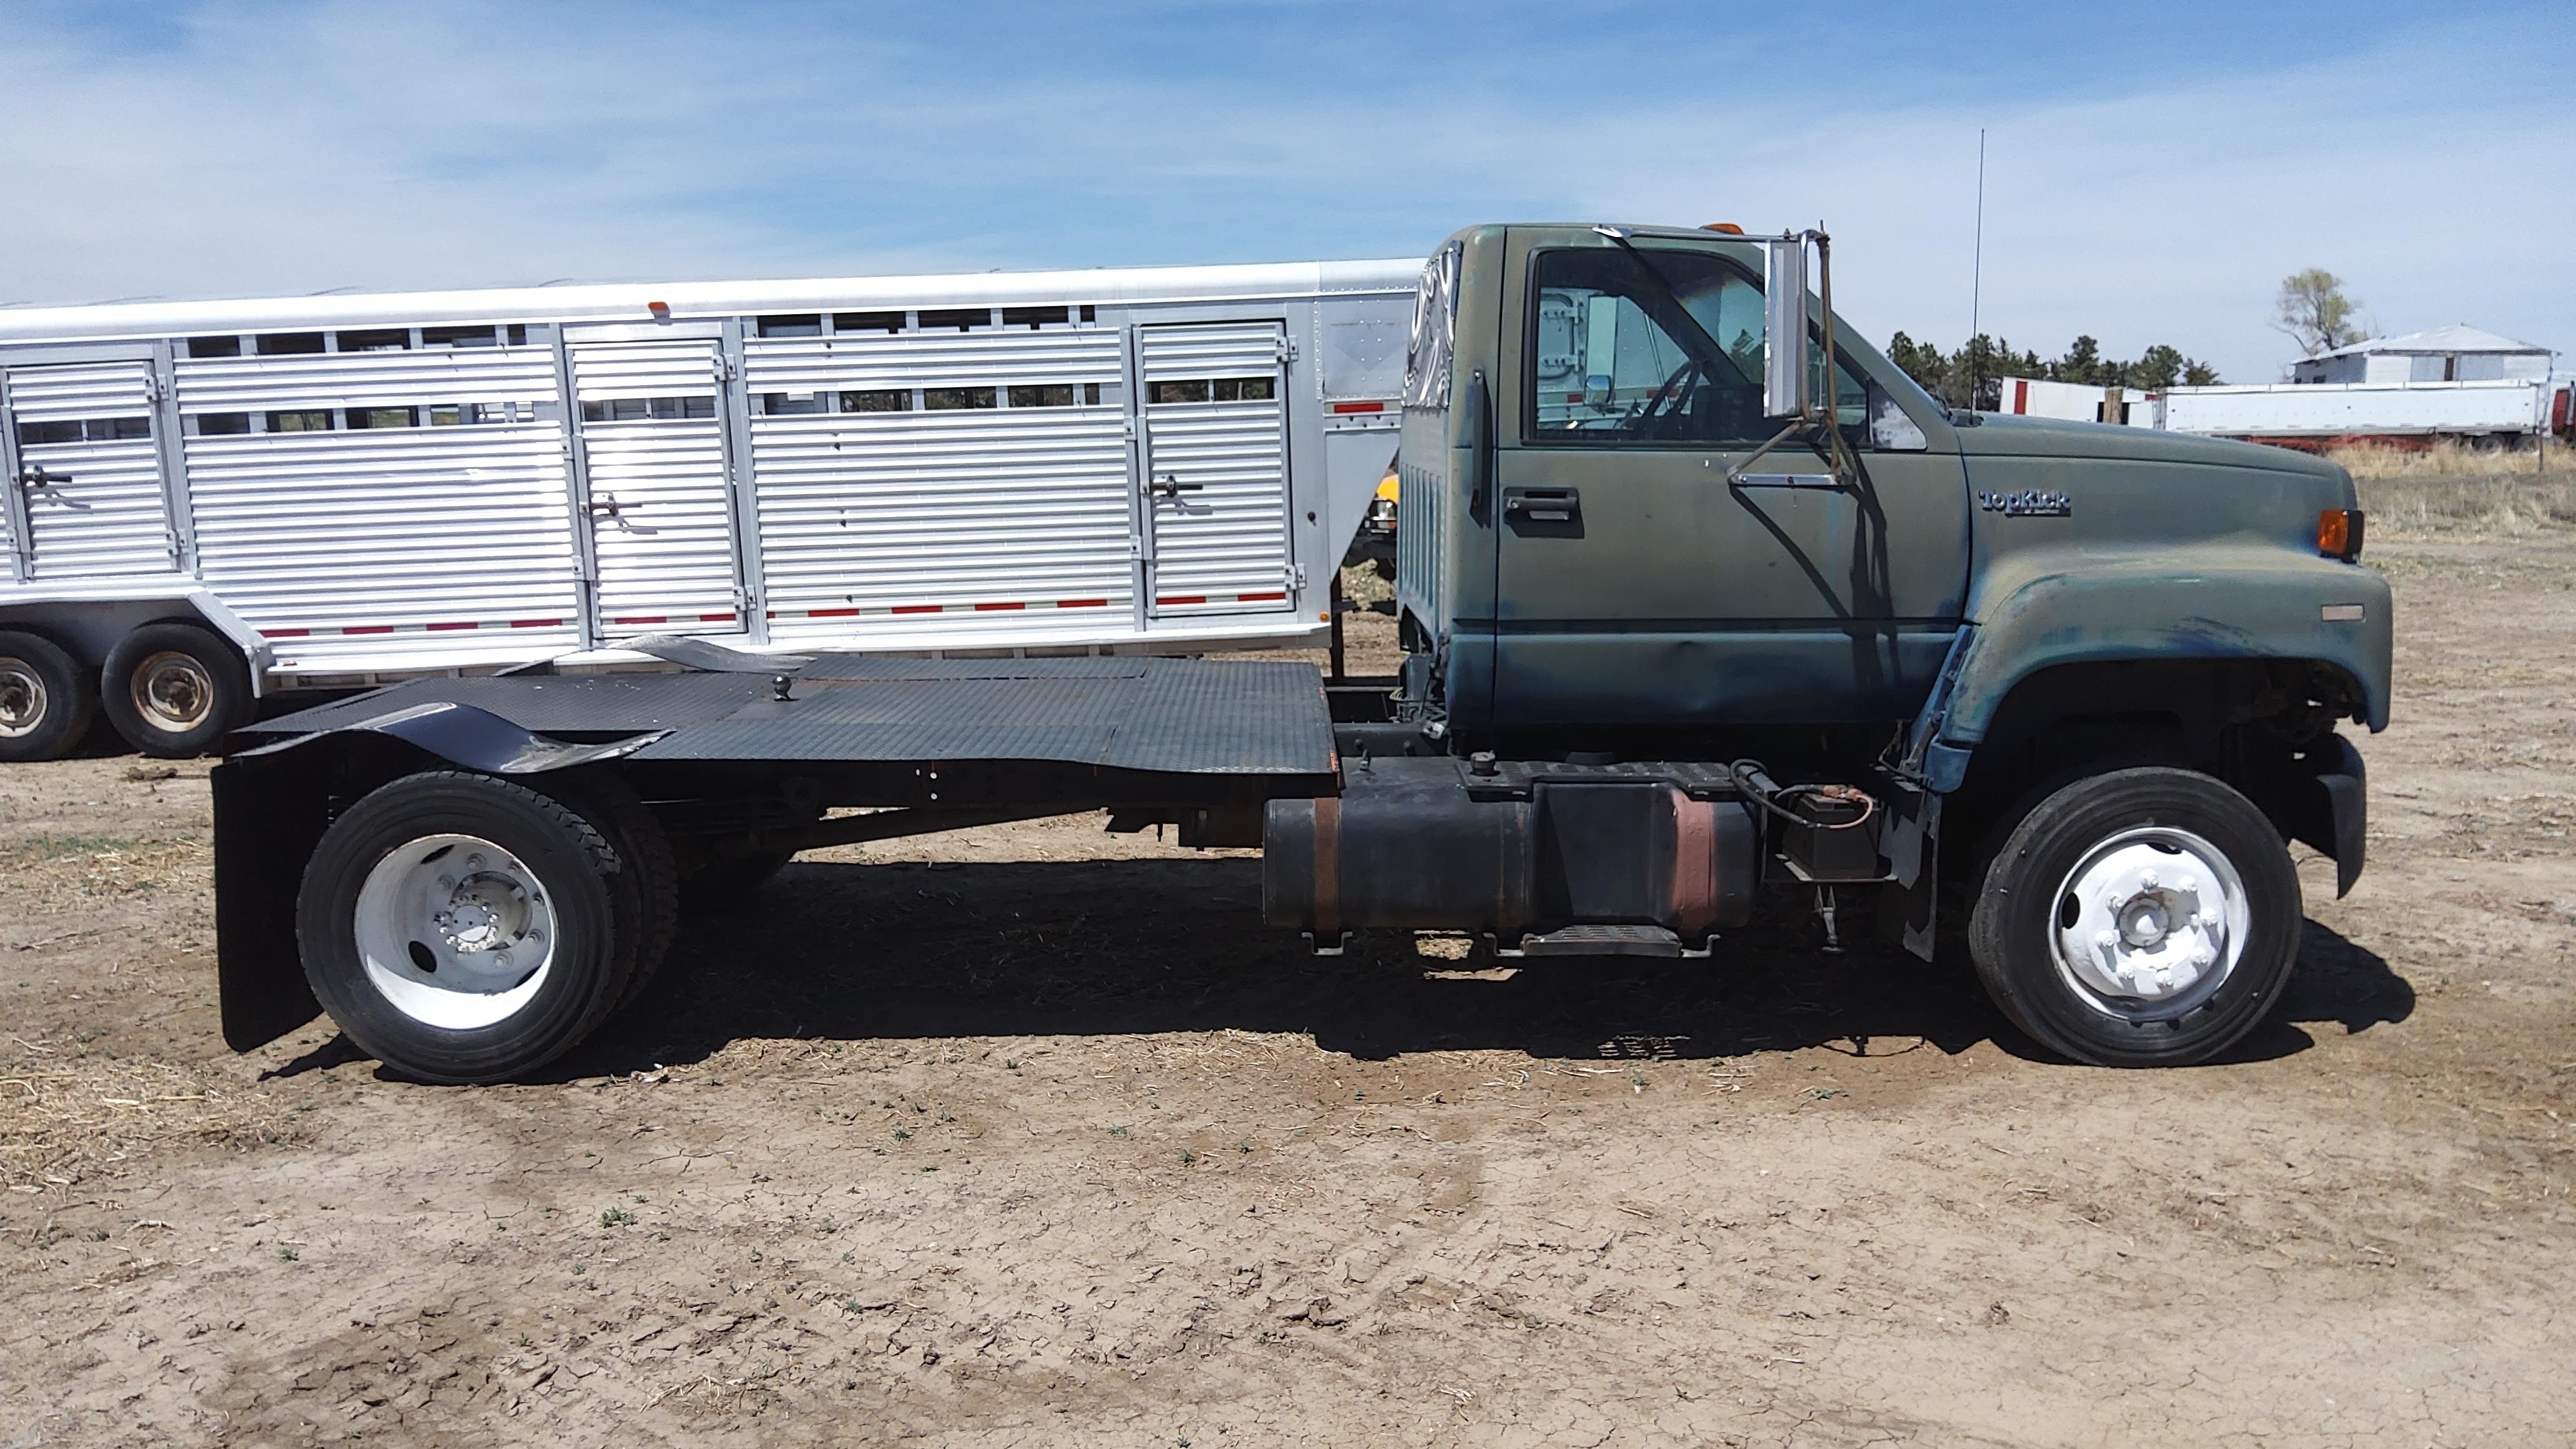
point(1032, 1136)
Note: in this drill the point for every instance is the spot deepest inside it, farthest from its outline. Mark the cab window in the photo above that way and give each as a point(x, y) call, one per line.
point(1609, 364)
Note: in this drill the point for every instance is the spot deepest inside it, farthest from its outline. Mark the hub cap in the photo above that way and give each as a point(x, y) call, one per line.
point(22, 699)
point(173, 692)
point(2150, 922)
point(454, 931)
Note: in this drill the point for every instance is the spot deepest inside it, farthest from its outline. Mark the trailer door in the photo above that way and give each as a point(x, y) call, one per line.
point(661, 516)
point(1216, 467)
point(88, 475)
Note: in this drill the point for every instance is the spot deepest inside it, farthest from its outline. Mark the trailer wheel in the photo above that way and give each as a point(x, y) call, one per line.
point(463, 928)
point(174, 690)
point(46, 699)
point(2144, 917)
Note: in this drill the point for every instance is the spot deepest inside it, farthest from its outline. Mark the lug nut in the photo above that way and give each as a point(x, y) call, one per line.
point(2147, 878)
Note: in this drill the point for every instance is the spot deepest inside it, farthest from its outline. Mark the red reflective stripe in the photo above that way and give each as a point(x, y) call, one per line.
point(1359, 407)
point(536, 623)
point(444, 628)
point(715, 618)
point(1184, 599)
point(368, 629)
point(285, 633)
point(913, 609)
point(1257, 598)
point(830, 613)
point(990, 608)
point(641, 619)
point(1082, 603)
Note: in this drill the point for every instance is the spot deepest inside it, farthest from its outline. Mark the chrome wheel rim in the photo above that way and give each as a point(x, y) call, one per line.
point(173, 692)
point(455, 932)
point(22, 699)
point(2150, 923)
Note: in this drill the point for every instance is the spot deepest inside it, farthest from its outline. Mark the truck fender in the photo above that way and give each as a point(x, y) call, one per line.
point(272, 806)
point(2036, 611)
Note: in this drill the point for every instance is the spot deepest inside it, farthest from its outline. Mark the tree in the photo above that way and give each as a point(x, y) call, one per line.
point(2313, 309)
point(2082, 363)
point(2162, 366)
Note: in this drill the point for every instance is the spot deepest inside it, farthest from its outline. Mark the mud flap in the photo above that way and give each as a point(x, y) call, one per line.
point(1911, 842)
point(2325, 803)
point(269, 814)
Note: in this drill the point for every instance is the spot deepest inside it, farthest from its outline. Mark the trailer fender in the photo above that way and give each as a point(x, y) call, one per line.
point(2035, 611)
point(89, 619)
point(272, 805)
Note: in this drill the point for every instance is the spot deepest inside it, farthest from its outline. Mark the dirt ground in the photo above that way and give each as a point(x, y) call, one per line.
point(1034, 1136)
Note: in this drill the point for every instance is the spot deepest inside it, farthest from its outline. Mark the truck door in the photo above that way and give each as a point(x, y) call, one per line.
point(88, 472)
point(1636, 585)
point(661, 513)
point(1215, 468)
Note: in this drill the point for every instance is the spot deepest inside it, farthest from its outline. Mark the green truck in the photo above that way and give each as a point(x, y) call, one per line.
point(1701, 599)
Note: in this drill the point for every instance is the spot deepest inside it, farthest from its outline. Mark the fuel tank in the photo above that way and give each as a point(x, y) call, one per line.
point(1429, 844)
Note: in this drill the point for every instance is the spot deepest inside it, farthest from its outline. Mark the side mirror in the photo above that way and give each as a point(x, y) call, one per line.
point(1785, 357)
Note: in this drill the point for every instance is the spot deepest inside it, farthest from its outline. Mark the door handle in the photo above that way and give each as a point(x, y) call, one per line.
point(1170, 486)
point(1543, 505)
point(606, 506)
point(35, 476)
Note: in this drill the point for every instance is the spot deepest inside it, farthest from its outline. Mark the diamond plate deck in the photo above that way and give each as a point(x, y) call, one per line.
point(1165, 716)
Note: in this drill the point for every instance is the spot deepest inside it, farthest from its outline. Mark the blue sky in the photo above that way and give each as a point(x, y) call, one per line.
point(2152, 171)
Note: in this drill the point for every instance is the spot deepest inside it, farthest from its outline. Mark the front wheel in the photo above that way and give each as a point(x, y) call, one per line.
point(462, 928)
point(2144, 917)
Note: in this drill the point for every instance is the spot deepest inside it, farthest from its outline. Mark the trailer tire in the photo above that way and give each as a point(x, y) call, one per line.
point(470, 876)
point(46, 699)
point(174, 690)
point(2141, 917)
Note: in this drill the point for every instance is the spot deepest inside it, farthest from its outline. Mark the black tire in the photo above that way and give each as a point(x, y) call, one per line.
point(397, 1009)
point(2024, 910)
point(649, 892)
point(174, 690)
point(46, 699)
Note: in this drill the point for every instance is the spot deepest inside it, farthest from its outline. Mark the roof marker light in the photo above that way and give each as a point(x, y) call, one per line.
point(661, 310)
point(1728, 227)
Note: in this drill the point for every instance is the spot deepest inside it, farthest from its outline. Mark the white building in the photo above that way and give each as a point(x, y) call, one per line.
point(2457, 353)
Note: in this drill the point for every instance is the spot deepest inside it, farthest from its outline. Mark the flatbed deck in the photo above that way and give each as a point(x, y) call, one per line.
point(1144, 716)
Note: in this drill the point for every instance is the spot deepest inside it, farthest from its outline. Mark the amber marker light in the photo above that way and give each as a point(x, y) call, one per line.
point(1728, 227)
point(2339, 533)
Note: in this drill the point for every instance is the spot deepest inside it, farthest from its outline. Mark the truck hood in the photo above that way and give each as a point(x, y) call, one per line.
point(2002, 435)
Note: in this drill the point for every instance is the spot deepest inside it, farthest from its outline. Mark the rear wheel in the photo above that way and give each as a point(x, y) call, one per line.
point(2144, 917)
point(46, 699)
point(174, 690)
point(462, 928)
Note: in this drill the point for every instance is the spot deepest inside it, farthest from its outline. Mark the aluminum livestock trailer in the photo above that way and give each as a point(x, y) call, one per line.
point(211, 501)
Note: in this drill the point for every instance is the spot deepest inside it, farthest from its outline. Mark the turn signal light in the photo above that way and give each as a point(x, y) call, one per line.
point(2339, 533)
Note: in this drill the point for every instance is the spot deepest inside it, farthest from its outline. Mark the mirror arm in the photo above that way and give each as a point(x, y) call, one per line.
point(1818, 415)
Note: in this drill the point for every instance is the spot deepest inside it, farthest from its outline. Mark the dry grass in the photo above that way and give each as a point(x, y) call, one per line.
point(66, 1111)
point(2454, 488)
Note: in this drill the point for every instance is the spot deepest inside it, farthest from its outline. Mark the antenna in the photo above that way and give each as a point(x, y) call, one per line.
point(1977, 275)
